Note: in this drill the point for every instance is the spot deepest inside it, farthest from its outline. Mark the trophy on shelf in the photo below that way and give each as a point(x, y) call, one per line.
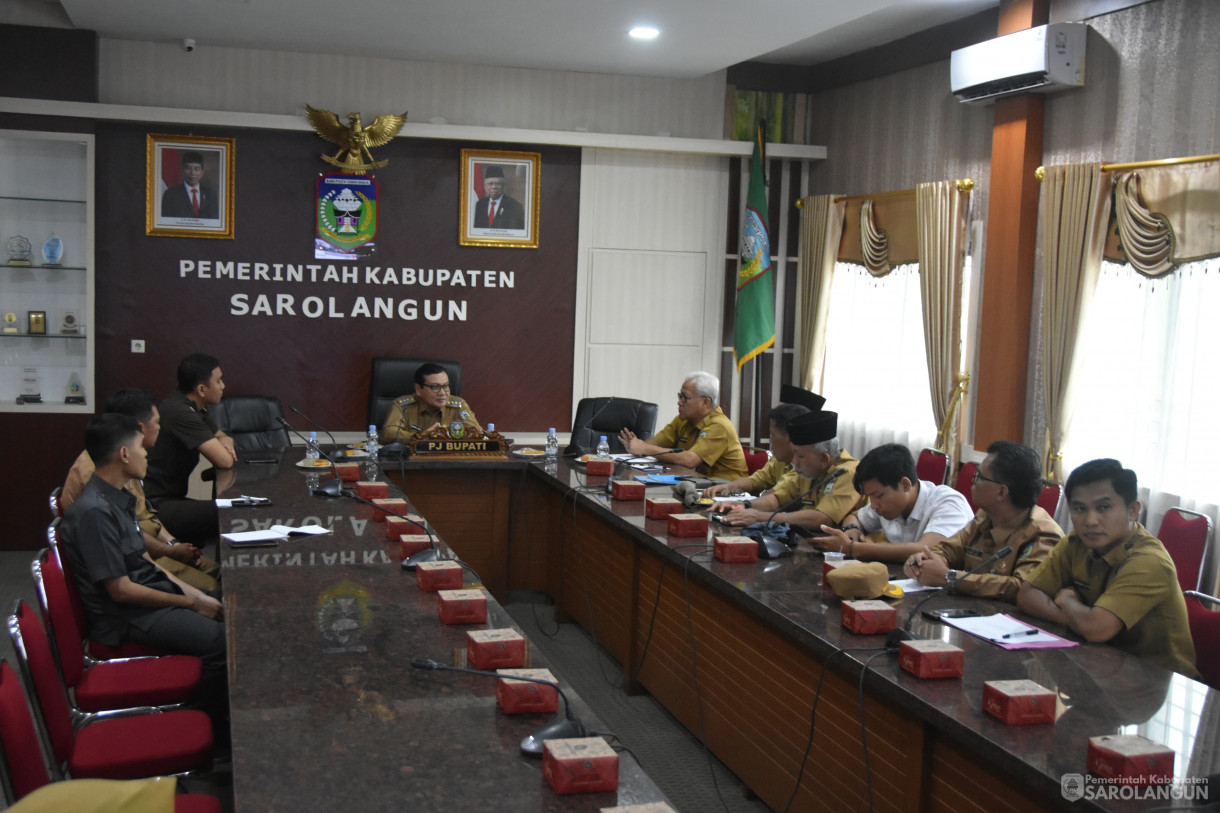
point(71, 324)
point(53, 251)
point(10, 323)
point(75, 391)
point(38, 323)
point(18, 250)
point(31, 392)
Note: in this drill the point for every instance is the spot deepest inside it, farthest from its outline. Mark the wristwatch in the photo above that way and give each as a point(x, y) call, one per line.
point(950, 581)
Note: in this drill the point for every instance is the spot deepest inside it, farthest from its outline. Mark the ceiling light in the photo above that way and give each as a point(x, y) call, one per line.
point(644, 32)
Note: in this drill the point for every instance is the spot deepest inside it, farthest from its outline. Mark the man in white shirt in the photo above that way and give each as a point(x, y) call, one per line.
point(912, 513)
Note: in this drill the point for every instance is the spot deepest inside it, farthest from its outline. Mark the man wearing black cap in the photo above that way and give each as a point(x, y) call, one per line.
point(497, 210)
point(822, 464)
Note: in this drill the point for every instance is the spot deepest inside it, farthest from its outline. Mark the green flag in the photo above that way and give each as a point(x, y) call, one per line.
point(754, 330)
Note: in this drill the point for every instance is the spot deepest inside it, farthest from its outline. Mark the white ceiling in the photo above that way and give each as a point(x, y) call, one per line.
point(697, 36)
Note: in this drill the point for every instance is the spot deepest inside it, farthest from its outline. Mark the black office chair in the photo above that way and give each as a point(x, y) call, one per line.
point(251, 420)
point(606, 416)
point(392, 378)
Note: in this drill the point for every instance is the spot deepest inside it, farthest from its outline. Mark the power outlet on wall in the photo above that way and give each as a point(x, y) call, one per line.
point(137, 345)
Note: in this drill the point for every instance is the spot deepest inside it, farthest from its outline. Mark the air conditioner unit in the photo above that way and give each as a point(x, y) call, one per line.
point(1036, 60)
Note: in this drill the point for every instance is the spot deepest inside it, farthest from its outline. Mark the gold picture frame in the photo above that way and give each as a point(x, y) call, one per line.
point(175, 209)
point(37, 323)
point(514, 221)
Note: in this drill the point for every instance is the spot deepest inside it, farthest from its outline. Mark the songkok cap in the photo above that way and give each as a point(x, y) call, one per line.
point(813, 427)
point(790, 394)
point(859, 580)
point(493, 172)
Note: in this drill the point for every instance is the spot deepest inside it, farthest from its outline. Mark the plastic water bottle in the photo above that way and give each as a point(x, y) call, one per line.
point(371, 443)
point(552, 444)
point(312, 452)
point(603, 449)
point(491, 427)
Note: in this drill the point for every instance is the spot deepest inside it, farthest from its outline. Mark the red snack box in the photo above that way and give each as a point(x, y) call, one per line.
point(870, 617)
point(626, 489)
point(395, 504)
point(1019, 702)
point(462, 606)
point(372, 489)
point(433, 576)
point(397, 526)
point(1133, 759)
point(600, 467)
point(495, 649)
point(411, 544)
point(348, 472)
point(583, 765)
point(735, 549)
point(662, 507)
point(931, 659)
point(691, 525)
point(519, 697)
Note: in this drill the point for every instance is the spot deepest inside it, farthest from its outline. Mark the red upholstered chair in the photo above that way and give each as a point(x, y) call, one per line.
point(24, 762)
point(1048, 500)
point(1187, 536)
point(96, 651)
point(104, 685)
point(964, 481)
point(932, 465)
point(1205, 632)
point(127, 744)
point(756, 458)
point(57, 507)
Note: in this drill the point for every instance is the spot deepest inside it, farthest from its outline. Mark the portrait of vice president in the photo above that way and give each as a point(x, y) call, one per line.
point(496, 210)
point(191, 197)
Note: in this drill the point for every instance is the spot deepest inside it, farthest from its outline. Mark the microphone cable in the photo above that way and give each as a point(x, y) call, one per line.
point(868, 770)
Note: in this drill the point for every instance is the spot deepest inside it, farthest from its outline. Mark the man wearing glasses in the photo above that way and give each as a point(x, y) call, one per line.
point(430, 407)
point(701, 438)
point(1005, 491)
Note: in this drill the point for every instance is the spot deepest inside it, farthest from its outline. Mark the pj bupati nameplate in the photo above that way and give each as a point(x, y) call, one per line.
point(440, 443)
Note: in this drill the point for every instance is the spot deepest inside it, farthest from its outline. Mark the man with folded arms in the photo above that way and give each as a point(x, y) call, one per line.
point(822, 492)
point(701, 437)
point(179, 558)
point(1110, 581)
point(126, 597)
point(1005, 491)
point(186, 433)
point(912, 513)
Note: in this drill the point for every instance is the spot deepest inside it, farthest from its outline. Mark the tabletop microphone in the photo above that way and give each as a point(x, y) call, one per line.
point(575, 448)
point(432, 553)
point(904, 634)
point(563, 727)
point(325, 488)
point(333, 442)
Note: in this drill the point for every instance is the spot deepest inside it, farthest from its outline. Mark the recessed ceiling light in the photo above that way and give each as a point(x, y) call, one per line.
point(644, 32)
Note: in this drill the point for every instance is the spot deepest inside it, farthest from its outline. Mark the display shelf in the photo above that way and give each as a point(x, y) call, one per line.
point(59, 169)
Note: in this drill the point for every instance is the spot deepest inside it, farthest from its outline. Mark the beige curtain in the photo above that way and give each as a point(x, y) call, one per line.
point(874, 242)
point(821, 231)
point(1075, 209)
point(1167, 215)
point(941, 210)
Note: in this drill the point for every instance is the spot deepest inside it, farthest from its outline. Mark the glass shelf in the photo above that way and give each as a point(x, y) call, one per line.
point(43, 336)
point(41, 200)
point(45, 267)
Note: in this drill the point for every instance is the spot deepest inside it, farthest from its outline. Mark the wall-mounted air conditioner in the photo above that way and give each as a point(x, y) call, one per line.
point(1036, 60)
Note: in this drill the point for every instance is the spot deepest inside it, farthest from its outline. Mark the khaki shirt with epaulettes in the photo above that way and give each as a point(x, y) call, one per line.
point(833, 493)
point(1031, 542)
point(410, 416)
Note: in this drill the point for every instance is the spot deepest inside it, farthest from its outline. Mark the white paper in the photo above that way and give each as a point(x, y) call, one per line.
point(911, 585)
point(995, 627)
point(276, 533)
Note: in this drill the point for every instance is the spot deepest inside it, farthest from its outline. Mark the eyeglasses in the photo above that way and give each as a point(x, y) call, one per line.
point(978, 475)
point(683, 397)
point(438, 387)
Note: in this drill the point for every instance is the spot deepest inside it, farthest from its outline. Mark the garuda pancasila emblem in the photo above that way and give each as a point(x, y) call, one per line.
point(354, 139)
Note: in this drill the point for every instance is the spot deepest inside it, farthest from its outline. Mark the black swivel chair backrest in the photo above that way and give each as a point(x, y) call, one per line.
point(251, 420)
point(393, 378)
point(606, 416)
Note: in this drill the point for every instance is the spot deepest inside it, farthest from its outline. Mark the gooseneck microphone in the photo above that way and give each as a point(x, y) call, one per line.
point(565, 726)
point(904, 634)
point(432, 553)
point(326, 488)
point(333, 442)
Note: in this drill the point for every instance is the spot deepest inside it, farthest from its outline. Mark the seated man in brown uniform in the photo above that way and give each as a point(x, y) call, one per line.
point(431, 406)
point(1110, 580)
point(1005, 491)
point(701, 438)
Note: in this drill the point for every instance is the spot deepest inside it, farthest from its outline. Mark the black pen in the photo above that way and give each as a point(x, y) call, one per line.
point(1033, 631)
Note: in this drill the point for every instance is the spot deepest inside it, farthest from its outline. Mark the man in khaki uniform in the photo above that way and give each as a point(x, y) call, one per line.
point(181, 559)
point(1110, 580)
point(1005, 491)
point(430, 407)
point(701, 437)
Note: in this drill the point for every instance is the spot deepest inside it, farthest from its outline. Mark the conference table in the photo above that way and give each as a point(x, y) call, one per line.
point(741, 654)
point(327, 713)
